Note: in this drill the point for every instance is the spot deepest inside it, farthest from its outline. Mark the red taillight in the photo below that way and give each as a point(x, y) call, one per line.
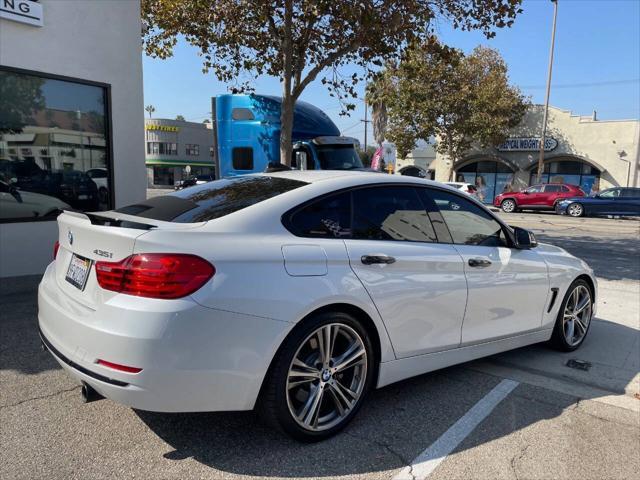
point(115, 366)
point(56, 247)
point(155, 275)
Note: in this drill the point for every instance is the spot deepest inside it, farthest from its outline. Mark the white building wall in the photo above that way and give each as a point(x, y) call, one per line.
point(90, 40)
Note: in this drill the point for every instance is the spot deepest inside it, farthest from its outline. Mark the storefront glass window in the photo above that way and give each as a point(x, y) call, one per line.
point(53, 147)
point(163, 175)
point(572, 172)
point(490, 178)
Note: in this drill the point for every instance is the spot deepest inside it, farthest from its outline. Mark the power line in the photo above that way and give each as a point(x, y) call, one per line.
point(581, 85)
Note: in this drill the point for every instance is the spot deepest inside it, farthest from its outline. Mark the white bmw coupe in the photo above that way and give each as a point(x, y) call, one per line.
point(296, 293)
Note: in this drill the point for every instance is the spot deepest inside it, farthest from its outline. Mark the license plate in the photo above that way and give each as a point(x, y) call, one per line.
point(78, 271)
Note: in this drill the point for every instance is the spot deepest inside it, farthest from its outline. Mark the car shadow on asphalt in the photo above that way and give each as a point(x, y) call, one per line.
point(395, 424)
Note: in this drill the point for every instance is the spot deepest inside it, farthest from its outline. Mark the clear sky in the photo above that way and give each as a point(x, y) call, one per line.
point(596, 66)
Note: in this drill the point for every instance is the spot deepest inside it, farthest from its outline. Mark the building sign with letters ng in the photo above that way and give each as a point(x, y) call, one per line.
point(23, 11)
point(527, 144)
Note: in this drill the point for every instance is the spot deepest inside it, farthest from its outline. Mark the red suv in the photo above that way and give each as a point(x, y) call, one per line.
point(537, 197)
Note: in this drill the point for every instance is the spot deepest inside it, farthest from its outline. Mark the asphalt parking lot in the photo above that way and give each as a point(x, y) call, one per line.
point(551, 421)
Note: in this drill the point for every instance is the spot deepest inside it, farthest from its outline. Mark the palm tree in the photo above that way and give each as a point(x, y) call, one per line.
point(150, 109)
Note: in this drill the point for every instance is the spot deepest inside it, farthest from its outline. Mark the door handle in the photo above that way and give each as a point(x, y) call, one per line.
point(371, 259)
point(479, 262)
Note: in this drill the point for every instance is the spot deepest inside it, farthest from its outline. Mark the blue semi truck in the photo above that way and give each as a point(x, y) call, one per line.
point(246, 131)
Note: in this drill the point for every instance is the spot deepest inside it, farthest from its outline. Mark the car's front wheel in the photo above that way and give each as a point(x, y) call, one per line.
point(508, 206)
point(319, 377)
point(575, 210)
point(574, 317)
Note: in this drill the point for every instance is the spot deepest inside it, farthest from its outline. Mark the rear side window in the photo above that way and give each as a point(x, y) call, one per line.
point(565, 189)
point(390, 213)
point(212, 200)
point(242, 158)
point(328, 217)
point(552, 188)
point(468, 223)
point(630, 193)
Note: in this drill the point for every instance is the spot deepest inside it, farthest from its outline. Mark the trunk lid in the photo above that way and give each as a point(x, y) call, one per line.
point(103, 236)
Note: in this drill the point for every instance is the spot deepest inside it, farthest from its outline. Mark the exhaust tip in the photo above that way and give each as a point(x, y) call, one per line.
point(89, 394)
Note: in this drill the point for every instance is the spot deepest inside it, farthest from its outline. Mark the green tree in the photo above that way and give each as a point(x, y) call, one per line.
point(20, 97)
point(180, 118)
point(436, 91)
point(298, 40)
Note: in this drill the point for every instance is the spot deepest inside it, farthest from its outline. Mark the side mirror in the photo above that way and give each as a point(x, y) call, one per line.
point(525, 239)
point(301, 160)
point(526, 192)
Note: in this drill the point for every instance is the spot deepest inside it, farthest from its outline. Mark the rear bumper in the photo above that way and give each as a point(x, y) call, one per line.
point(193, 358)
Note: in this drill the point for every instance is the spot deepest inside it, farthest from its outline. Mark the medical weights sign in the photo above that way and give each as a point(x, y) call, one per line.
point(527, 144)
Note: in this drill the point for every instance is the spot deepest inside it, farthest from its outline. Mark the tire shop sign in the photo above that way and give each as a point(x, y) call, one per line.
point(23, 11)
point(527, 144)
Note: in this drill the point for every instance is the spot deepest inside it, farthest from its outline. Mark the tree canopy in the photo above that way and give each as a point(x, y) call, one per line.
point(298, 40)
point(437, 91)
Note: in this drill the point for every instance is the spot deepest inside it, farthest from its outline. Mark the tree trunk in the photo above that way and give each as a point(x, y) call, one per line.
point(286, 128)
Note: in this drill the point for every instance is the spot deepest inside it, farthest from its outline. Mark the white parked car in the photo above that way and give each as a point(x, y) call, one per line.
point(468, 188)
point(297, 292)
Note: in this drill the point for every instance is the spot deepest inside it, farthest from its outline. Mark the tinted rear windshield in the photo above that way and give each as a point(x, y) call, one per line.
point(211, 200)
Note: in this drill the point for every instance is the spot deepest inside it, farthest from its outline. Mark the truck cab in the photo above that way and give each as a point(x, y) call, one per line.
point(246, 131)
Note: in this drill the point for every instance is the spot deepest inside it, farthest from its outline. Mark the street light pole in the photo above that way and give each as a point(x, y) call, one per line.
point(546, 103)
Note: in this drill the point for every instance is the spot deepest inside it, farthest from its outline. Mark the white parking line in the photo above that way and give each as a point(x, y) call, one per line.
point(425, 463)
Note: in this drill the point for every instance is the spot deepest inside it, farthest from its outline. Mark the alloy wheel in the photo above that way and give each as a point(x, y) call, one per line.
point(326, 377)
point(575, 210)
point(577, 315)
point(508, 206)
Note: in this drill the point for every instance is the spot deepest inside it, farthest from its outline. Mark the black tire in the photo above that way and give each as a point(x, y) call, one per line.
point(273, 403)
point(508, 205)
point(576, 208)
point(558, 339)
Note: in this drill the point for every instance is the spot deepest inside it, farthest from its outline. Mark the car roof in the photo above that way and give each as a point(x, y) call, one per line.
point(364, 176)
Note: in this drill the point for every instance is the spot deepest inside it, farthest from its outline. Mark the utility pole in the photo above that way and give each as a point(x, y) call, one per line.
point(546, 103)
point(366, 124)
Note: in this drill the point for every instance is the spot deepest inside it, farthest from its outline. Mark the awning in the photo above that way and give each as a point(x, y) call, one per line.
point(178, 163)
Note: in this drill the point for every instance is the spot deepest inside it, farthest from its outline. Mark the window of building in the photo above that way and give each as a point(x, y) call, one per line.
point(162, 148)
point(571, 172)
point(468, 223)
point(163, 175)
point(328, 217)
point(53, 132)
point(242, 158)
point(390, 213)
point(491, 178)
point(192, 149)
point(242, 114)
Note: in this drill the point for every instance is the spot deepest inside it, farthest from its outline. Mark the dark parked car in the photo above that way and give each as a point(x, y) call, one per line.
point(612, 201)
point(537, 197)
point(73, 187)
